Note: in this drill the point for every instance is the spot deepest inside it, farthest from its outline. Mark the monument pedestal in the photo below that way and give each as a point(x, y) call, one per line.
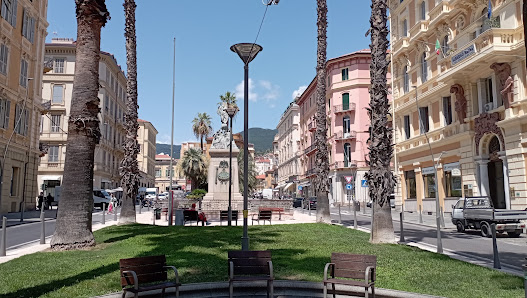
point(217, 198)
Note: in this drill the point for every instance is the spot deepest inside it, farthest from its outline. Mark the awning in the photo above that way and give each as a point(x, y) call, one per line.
point(110, 190)
point(118, 189)
point(51, 177)
point(280, 186)
point(288, 186)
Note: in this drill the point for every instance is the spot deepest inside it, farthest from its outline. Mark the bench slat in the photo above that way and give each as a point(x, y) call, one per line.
point(238, 254)
point(153, 287)
point(349, 282)
point(350, 273)
point(352, 257)
point(144, 278)
point(250, 262)
point(250, 270)
point(161, 259)
point(145, 269)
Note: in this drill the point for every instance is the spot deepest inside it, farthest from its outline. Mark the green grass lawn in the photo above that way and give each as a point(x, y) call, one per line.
point(200, 254)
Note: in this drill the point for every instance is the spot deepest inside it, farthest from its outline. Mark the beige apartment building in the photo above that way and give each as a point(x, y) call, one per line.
point(146, 137)
point(163, 173)
point(465, 97)
point(23, 27)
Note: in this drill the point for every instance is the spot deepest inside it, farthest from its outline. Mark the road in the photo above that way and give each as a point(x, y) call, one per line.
point(512, 251)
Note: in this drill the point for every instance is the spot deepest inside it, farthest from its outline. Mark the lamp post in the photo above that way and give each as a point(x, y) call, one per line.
point(247, 52)
point(231, 111)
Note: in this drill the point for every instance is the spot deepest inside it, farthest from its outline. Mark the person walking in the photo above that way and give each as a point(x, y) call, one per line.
point(40, 201)
point(49, 200)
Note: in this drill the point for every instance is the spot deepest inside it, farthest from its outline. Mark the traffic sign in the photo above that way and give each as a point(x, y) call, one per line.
point(364, 183)
point(348, 179)
point(300, 187)
point(348, 186)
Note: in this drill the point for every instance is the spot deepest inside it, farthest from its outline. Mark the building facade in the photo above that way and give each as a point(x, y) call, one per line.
point(146, 137)
point(23, 28)
point(163, 173)
point(459, 95)
point(347, 97)
point(286, 146)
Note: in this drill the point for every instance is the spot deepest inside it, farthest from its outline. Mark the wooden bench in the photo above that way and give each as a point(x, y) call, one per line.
point(358, 270)
point(262, 215)
point(224, 215)
point(191, 215)
point(245, 266)
point(274, 209)
point(146, 270)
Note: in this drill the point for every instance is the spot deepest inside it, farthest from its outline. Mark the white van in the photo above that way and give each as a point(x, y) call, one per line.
point(151, 193)
point(267, 194)
point(100, 196)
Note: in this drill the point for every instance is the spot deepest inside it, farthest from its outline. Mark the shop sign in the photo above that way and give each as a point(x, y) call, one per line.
point(456, 172)
point(450, 166)
point(428, 171)
point(464, 54)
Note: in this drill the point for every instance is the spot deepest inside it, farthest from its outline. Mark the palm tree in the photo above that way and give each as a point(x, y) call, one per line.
point(229, 99)
point(74, 219)
point(380, 178)
point(252, 182)
point(193, 165)
point(201, 126)
point(129, 169)
point(322, 162)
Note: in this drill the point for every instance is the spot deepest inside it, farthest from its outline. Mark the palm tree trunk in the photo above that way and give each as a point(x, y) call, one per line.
point(321, 179)
point(201, 143)
point(129, 169)
point(74, 219)
point(380, 178)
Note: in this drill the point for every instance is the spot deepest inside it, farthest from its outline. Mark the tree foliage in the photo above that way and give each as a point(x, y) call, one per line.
point(202, 127)
point(252, 181)
point(193, 165)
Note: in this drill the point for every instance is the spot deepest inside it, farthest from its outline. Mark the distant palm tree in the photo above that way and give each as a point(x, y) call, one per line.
point(322, 156)
point(201, 126)
point(380, 177)
point(193, 165)
point(74, 219)
point(129, 169)
point(229, 99)
point(252, 182)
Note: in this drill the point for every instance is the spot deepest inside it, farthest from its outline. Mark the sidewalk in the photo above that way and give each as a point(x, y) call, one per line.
point(13, 218)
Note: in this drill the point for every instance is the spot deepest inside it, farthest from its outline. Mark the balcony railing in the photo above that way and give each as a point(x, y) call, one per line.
point(312, 126)
point(418, 28)
point(347, 164)
point(439, 11)
point(345, 135)
point(310, 149)
point(345, 108)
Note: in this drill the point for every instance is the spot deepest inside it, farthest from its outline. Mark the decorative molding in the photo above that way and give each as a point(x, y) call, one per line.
point(485, 124)
point(503, 73)
point(461, 102)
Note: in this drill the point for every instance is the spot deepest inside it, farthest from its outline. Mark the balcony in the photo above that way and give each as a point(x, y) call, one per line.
point(440, 11)
point(418, 29)
point(345, 108)
point(401, 44)
point(340, 136)
point(310, 173)
point(312, 126)
point(351, 164)
point(310, 149)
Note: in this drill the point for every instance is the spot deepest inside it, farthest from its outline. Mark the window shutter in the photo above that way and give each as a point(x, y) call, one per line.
point(14, 10)
point(345, 101)
point(24, 23)
point(7, 112)
point(26, 121)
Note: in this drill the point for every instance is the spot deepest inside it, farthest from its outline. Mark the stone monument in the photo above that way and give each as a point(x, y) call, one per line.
point(217, 198)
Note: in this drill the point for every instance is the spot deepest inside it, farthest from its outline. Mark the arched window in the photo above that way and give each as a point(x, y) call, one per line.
point(424, 68)
point(406, 78)
point(423, 11)
point(346, 124)
point(345, 101)
point(347, 154)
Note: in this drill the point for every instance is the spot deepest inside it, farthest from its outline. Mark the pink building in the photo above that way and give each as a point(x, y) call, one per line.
point(347, 97)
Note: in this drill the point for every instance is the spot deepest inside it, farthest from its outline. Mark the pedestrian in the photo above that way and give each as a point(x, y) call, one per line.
point(40, 201)
point(49, 200)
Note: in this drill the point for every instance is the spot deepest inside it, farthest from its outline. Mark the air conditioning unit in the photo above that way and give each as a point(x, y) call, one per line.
point(488, 107)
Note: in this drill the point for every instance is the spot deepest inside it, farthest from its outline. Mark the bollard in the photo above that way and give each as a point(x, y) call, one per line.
point(525, 277)
point(4, 237)
point(349, 206)
point(340, 216)
point(43, 228)
point(154, 218)
point(103, 221)
point(364, 207)
point(140, 207)
point(354, 215)
point(442, 218)
point(115, 213)
point(420, 214)
point(309, 207)
point(401, 229)
point(497, 264)
point(402, 210)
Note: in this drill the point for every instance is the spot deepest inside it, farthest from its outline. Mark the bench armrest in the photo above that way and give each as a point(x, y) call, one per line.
point(175, 272)
point(231, 270)
point(370, 271)
point(270, 263)
point(332, 265)
point(134, 275)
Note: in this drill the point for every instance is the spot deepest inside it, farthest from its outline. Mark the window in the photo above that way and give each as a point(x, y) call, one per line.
point(14, 182)
point(4, 52)
point(58, 65)
point(423, 11)
point(489, 94)
point(424, 68)
point(345, 101)
point(453, 185)
point(407, 126)
point(55, 123)
point(406, 78)
point(158, 172)
point(53, 154)
point(346, 124)
point(106, 102)
point(423, 120)
point(347, 154)
point(23, 73)
point(5, 109)
point(28, 26)
point(345, 74)
point(447, 111)
point(411, 192)
point(21, 120)
point(430, 185)
point(9, 10)
point(445, 46)
point(58, 94)
point(405, 28)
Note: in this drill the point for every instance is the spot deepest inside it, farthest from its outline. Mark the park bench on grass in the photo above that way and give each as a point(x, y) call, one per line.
point(262, 215)
point(191, 215)
point(247, 266)
point(224, 215)
point(145, 274)
point(351, 270)
point(274, 209)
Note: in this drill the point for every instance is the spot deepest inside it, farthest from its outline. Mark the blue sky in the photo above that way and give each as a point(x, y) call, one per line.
point(205, 66)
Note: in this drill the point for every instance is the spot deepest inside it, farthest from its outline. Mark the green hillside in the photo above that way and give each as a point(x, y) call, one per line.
point(165, 148)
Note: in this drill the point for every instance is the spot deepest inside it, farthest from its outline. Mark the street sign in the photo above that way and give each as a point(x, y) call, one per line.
point(364, 183)
point(348, 179)
point(300, 187)
point(348, 186)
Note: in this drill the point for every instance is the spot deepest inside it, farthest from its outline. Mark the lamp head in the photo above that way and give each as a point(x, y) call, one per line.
point(231, 111)
point(246, 51)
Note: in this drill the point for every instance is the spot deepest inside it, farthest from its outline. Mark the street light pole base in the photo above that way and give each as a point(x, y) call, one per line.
point(229, 218)
point(245, 243)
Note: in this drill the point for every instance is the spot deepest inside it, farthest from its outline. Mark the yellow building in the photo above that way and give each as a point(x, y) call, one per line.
point(23, 30)
point(162, 173)
point(459, 87)
point(146, 137)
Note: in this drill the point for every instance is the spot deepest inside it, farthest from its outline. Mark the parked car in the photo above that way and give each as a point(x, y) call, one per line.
point(310, 203)
point(297, 202)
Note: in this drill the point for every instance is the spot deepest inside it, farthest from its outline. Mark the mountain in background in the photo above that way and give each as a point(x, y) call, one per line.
point(262, 139)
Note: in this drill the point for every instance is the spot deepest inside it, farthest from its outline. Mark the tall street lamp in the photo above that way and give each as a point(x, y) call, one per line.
point(231, 111)
point(247, 52)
